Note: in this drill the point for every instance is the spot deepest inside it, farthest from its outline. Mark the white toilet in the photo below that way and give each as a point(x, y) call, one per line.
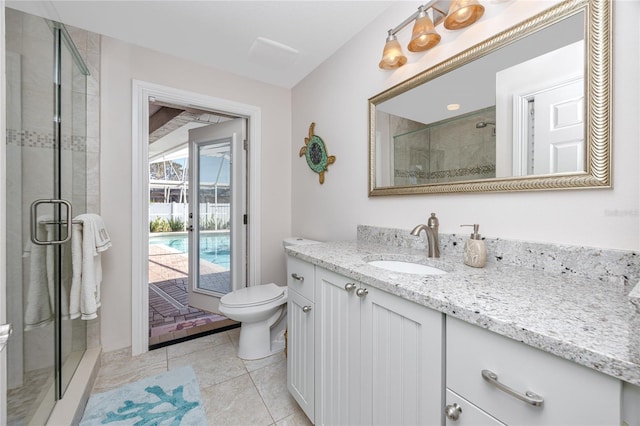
point(262, 312)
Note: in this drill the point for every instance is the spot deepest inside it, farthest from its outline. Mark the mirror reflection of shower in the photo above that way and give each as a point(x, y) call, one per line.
point(483, 124)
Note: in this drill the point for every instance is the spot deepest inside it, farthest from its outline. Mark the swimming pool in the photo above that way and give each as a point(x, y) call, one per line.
point(214, 247)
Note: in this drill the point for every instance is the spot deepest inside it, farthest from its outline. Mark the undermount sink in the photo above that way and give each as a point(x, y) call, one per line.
point(406, 267)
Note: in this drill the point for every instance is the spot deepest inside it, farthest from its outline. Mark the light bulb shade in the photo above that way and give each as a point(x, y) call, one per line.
point(392, 56)
point(424, 35)
point(463, 13)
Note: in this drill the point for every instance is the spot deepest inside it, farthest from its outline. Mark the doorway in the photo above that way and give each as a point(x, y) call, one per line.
point(197, 206)
point(213, 112)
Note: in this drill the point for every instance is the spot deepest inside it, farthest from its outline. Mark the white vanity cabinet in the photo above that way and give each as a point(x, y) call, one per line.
point(566, 393)
point(380, 357)
point(301, 334)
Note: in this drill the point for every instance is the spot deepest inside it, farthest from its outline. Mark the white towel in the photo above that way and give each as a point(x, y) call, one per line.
point(88, 241)
point(100, 234)
point(40, 296)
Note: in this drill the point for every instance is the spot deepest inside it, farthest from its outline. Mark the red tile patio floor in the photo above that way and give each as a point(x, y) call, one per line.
point(170, 316)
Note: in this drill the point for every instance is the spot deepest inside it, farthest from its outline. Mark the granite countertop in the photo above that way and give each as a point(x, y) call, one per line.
point(573, 317)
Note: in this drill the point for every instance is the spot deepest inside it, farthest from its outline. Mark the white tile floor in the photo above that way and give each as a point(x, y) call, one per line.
point(234, 391)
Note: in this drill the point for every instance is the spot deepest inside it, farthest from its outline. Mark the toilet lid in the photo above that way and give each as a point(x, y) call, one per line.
point(253, 296)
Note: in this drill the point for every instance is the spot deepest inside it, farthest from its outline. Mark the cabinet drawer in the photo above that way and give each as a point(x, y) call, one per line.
point(468, 414)
point(572, 394)
point(300, 277)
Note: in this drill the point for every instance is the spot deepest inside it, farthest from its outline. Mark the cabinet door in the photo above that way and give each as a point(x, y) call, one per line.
point(338, 328)
point(300, 351)
point(402, 361)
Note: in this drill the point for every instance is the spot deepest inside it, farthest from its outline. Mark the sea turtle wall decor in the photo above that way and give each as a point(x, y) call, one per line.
point(315, 152)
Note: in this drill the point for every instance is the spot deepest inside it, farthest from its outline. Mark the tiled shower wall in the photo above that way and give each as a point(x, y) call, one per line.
point(446, 151)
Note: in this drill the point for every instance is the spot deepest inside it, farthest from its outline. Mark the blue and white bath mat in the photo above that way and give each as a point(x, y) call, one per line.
point(171, 398)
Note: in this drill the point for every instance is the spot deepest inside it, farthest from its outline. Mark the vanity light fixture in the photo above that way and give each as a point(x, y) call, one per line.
point(424, 35)
point(463, 13)
point(456, 14)
point(392, 56)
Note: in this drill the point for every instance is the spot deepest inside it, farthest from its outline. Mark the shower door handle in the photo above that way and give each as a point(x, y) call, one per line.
point(34, 222)
point(5, 332)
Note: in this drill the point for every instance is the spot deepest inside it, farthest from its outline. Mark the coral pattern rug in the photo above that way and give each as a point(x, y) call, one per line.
point(171, 398)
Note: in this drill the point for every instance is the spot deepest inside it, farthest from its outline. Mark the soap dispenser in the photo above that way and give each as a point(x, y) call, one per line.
point(475, 252)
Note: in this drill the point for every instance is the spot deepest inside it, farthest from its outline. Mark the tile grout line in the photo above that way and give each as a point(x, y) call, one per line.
point(274, 421)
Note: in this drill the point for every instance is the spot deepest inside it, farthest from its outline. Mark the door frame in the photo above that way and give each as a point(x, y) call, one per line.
point(141, 91)
point(3, 218)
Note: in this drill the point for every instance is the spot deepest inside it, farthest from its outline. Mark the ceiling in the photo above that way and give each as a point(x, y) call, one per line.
point(276, 42)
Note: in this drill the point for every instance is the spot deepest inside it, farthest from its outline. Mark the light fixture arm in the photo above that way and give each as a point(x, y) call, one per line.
point(455, 14)
point(438, 9)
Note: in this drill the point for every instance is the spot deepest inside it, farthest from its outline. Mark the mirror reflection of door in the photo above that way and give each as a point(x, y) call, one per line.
point(217, 204)
point(536, 100)
point(559, 130)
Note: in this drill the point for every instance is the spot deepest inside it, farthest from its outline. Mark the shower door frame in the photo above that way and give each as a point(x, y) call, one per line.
point(3, 215)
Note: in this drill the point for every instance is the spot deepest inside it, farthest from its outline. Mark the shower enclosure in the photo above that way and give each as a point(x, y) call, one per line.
point(452, 150)
point(46, 121)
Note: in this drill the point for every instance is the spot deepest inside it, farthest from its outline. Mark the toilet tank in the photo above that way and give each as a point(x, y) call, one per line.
point(297, 241)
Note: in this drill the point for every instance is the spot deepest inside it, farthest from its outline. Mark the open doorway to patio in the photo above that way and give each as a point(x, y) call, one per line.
point(197, 202)
point(142, 91)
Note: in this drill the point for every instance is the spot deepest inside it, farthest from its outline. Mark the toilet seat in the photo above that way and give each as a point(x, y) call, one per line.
point(253, 296)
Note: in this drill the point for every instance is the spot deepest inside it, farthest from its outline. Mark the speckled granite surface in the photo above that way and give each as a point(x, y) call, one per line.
point(569, 301)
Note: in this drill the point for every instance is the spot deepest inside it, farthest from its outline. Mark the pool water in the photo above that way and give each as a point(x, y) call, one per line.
point(214, 247)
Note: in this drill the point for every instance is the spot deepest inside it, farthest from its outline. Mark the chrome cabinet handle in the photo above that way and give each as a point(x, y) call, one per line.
point(297, 277)
point(362, 292)
point(306, 309)
point(529, 397)
point(453, 411)
point(349, 286)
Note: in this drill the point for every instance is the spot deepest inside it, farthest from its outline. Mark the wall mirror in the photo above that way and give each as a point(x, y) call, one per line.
point(527, 109)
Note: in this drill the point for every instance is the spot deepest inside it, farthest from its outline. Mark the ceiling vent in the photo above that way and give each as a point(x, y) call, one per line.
point(271, 53)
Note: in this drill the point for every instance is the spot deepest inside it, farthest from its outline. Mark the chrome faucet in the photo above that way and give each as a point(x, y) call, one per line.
point(433, 240)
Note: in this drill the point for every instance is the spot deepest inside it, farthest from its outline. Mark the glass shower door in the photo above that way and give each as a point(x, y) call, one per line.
point(46, 151)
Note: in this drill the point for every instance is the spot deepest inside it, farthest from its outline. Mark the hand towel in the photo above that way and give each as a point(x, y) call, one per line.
point(40, 295)
point(76, 276)
point(41, 304)
point(88, 241)
point(101, 236)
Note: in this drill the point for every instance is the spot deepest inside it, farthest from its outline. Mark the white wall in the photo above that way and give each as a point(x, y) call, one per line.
point(123, 62)
point(335, 97)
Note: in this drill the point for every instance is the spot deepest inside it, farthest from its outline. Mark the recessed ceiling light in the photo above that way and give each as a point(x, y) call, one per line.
point(453, 107)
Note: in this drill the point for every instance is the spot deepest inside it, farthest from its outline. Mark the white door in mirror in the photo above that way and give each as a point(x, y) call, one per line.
point(559, 130)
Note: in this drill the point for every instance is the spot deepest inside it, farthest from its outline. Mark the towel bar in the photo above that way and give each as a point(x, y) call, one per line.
point(59, 222)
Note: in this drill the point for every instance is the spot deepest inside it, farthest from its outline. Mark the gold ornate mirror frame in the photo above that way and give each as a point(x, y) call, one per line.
point(597, 105)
